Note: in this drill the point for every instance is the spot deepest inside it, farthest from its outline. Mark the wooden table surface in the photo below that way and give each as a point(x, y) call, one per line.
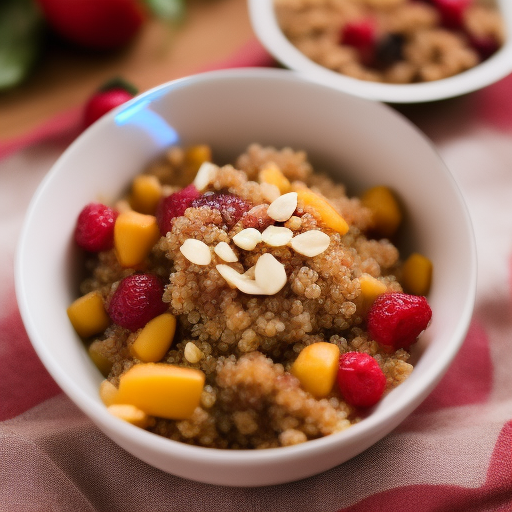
point(65, 78)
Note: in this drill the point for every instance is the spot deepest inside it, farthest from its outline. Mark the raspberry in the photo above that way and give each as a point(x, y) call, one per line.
point(360, 379)
point(94, 229)
point(397, 319)
point(137, 300)
point(452, 11)
point(361, 35)
point(231, 207)
point(485, 46)
point(174, 206)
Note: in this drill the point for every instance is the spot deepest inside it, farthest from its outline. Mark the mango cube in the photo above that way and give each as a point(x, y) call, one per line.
point(273, 175)
point(196, 155)
point(386, 211)
point(316, 367)
point(326, 213)
point(99, 360)
point(371, 288)
point(130, 414)
point(134, 235)
point(417, 274)
point(162, 390)
point(155, 338)
point(87, 314)
point(146, 193)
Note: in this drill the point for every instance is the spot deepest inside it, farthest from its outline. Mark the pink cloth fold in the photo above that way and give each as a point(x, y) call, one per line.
point(454, 453)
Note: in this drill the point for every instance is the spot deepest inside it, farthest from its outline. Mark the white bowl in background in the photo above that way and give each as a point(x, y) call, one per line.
point(362, 143)
point(266, 27)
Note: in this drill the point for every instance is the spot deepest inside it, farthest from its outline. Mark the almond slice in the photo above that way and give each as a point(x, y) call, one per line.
point(205, 175)
point(276, 236)
point(196, 252)
point(247, 239)
point(311, 243)
point(283, 207)
point(270, 192)
point(224, 252)
point(240, 281)
point(269, 274)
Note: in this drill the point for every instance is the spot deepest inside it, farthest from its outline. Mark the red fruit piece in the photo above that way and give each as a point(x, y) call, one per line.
point(485, 46)
point(360, 379)
point(137, 300)
point(94, 229)
point(361, 34)
point(397, 319)
point(231, 207)
point(173, 206)
point(257, 217)
point(452, 11)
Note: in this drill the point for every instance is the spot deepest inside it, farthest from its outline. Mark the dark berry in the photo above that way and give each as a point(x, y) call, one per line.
point(397, 319)
point(389, 50)
point(137, 300)
point(94, 229)
point(485, 46)
point(174, 206)
point(361, 35)
point(231, 207)
point(452, 12)
point(360, 379)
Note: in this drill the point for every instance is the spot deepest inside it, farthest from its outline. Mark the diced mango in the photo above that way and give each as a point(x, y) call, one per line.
point(273, 175)
point(326, 213)
point(131, 414)
point(387, 214)
point(417, 274)
point(155, 338)
point(99, 360)
point(162, 390)
point(87, 314)
point(316, 367)
point(146, 193)
point(195, 156)
point(371, 288)
point(134, 236)
point(108, 392)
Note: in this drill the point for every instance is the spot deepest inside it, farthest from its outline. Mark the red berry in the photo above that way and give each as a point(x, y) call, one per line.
point(360, 34)
point(452, 11)
point(94, 229)
point(231, 207)
point(173, 206)
point(360, 379)
point(103, 101)
point(397, 319)
point(485, 46)
point(137, 300)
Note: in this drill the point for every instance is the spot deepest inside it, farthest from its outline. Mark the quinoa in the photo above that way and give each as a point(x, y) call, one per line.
point(246, 344)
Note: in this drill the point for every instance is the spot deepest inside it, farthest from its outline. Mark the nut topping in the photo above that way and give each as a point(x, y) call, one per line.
point(196, 252)
point(269, 274)
point(283, 207)
point(276, 236)
point(311, 243)
point(192, 353)
point(205, 175)
point(224, 252)
point(247, 239)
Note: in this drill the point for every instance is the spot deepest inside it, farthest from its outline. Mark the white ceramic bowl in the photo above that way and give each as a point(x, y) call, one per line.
point(363, 143)
point(267, 29)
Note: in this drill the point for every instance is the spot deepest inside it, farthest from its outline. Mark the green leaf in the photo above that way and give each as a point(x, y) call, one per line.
point(21, 33)
point(168, 10)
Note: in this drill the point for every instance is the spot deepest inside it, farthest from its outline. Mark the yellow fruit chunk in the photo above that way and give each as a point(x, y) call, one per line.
point(99, 360)
point(316, 368)
point(371, 288)
point(155, 338)
point(417, 274)
point(134, 236)
point(274, 176)
point(196, 155)
point(131, 414)
point(162, 390)
point(87, 315)
point(146, 192)
point(108, 392)
point(386, 211)
point(327, 214)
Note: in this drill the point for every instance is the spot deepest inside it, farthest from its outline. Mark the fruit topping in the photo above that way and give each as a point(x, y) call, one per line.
point(389, 50)
point(136, 301)
point(386, 212)
point(452, 11)
point(94, 230)
point(173, 206)
point(87, 314)
point(231, 207)
point(397, 319)
point(360, 379)
point(417, 274)
point(360, 34)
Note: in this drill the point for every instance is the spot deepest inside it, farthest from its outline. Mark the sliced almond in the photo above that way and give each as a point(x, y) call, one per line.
point(240, 281)
point(247, 239)
point(192, 353)
point(283, 207)
point(205, 175)
point(196, 251)
point(270, 192)
point(269, 274)
point(224, 252)
point(276, 236)
point(311, 243)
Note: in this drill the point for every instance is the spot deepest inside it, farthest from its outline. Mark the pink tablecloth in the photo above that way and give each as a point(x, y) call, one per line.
point(454, 453)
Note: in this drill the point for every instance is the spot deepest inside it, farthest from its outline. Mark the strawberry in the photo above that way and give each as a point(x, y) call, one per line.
point(94, 24)
point(397, 319)
point(111, 95)
point(94, 229)
point(360, 379)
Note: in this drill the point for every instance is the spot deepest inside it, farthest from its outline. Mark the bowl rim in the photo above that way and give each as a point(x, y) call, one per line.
point(98, 413)
point(498, 66)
